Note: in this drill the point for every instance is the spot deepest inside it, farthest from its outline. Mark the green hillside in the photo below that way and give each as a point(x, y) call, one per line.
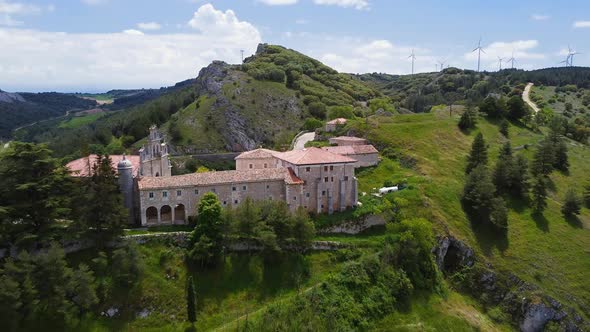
point(546, 250)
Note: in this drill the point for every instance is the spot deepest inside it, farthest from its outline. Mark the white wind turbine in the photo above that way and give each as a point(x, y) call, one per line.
point(500, 63)
point(479, 49)
point(413, 57)
point(512, 60)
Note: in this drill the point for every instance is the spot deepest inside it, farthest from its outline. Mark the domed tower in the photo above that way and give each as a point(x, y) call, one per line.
point(125, 170)
point(154, 155)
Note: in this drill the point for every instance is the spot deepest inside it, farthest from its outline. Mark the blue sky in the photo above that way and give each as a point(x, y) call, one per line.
point(96, 45)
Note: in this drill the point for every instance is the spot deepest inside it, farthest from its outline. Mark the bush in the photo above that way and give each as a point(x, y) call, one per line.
point(571, 205)
point(312, 124)
point(317, 110)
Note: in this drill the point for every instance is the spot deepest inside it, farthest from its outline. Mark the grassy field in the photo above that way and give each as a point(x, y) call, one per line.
point(548, 93)
point(548, 251)
point(79, 121)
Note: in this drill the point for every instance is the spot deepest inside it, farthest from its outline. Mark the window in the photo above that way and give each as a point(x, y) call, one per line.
point(322, 206)
point(250, 166)
point(164, 194)
point(346, 178)
point(179, 193)
point(224, 202)
point(323, 193)
point(307, 195)
point(244, 188)
point(236, 201)
point(151, 195)
point(326, 179)
point(325, 168)
point(308, 169)
point(294, 198)
point(265, 165)
point(305, 207)
point(233, 188)
point(267, 186)
point(213, 190)
point(331, 168)
point(196, 191)
point(332, 179)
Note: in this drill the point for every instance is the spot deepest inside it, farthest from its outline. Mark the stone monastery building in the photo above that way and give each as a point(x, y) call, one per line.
point(316, 179)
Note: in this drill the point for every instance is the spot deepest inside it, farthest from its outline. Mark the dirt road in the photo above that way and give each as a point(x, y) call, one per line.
point(301, 140)
point(527, 99)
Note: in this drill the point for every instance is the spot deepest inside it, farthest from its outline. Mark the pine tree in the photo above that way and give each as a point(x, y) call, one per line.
point(504, 128)
point(544, 158)
point(468, 120)
point(478, 155)
point(102, 215)
point(478, 192)
point(539, 193)
point(502, 175)
point(571, 205)
point(519, 176)
point(499, 213)
point(561, 161)
point(191, 301)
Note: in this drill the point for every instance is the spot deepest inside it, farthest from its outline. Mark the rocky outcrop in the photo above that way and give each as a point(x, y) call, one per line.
point(355, 226)
point(530, 309)
point(245, 117)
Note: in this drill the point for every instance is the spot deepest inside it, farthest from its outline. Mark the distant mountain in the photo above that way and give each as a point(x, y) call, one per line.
point(7, 97)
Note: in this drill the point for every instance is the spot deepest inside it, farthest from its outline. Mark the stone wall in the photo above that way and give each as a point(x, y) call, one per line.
point(355, 226)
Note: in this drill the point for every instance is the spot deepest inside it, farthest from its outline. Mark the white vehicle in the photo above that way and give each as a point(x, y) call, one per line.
point(387, 190)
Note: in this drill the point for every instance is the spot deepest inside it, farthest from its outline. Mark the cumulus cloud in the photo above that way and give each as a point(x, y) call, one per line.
point(8, 11)
point(278, 2)
point(42, 60)
point(582, 24)
point(356, 4)
point(149, 26)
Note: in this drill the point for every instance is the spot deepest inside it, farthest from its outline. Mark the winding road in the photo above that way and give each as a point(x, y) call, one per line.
point(527, 99)
point(302, 139)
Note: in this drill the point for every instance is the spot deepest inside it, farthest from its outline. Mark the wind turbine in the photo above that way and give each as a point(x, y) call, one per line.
point(413, 57)
point(571, 54)
point(479, 49)
point(566, 62)
point(242, 51)
point(511, 60)
point(442, 64)
point(500, 63)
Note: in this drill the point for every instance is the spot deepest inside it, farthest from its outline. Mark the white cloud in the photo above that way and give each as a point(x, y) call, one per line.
point(7, 20)
point(18, 8)
point(540, 17)
point(278, 2)
point(95, 2)
point(133, 32)
point(356, 4)
point(149, 26)
point(42, 60)
point(582, 24)
point(301, 21)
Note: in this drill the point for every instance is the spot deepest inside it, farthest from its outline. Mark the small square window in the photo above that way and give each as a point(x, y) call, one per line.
point(151, 195)
point(267, 186)
point(224, 202)
point(164, 194)
point(322, 206)
point(323, 193)
point(325, 168)
point(236, 201)
point(326, 179)
point(233, 188)
point(307, 195)
point(265, 165)
point(250, 165)
point(308, 169)
point(331, 168)
point(305, 207)
point(244, 188)
point(294, 198)
point(346, 178)
point(213, 190)
point(332, 179)
point(196, 191)
point(179, 193)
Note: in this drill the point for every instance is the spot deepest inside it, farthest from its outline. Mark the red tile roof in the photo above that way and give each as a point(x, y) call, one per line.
point(83, 167)
point(349, 139)
point(312, 156)
point(256, 154)
point(351, 149)
point(216, 178)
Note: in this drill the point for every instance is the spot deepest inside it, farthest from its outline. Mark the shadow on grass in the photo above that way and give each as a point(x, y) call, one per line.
point(487, 234)
point(541, 221)
point(574, 221)
point(191, 328)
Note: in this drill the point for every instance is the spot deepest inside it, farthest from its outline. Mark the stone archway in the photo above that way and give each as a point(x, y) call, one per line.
point(151, 215)
point(179, 213)
point(166, 214)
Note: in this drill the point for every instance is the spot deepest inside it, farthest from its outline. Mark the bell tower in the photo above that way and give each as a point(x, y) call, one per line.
point(153, 156)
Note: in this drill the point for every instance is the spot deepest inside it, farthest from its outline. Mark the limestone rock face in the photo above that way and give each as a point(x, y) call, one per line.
point(530, 309)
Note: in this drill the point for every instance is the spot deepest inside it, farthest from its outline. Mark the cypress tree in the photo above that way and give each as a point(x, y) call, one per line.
point(468, 120)
point(478, 155)
point(191, 301)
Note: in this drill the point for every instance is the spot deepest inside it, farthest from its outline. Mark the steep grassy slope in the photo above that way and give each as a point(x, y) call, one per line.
point(548, 251)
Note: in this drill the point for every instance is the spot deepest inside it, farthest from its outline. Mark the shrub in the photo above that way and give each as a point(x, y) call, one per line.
point(572, 204)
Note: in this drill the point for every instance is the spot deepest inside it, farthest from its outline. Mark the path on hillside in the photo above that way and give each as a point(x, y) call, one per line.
point(527, 99)
point(302, 139)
